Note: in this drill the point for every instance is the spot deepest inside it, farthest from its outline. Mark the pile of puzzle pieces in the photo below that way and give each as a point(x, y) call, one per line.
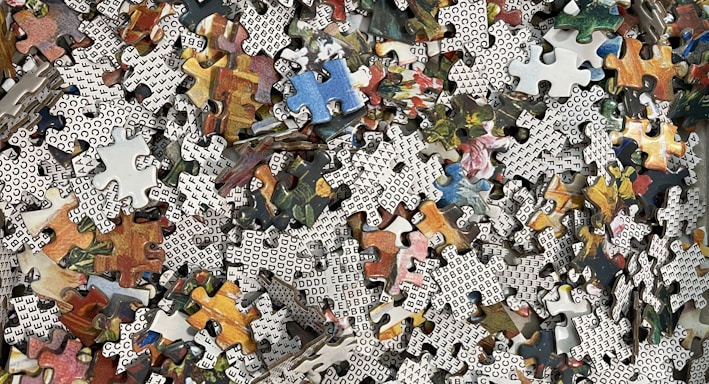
point(354, 191)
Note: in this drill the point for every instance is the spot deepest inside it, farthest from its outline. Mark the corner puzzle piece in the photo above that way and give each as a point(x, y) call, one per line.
point(394, 262)
point(658, 148)
point(674, 213)
point(447, 330)
point(53, 278)
point(282, 259)
point(683, 270)
point(65, 363)
point(222, 308)
point(34, 321)
point(315, 95)
point(632, 67)
point(42, 33)
point(133, 250)
point(562, 73)
point(120, 159)
point(699, 366)
point(124, 348)
point(311, 194)
point(469, 17)
point(600, 335)
point(266, 28)
point(463, 275)
point(592, 16)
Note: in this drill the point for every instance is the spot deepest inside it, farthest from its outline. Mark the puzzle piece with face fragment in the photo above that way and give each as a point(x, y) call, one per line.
point(632, 67)
point(120, 159)
point(464, 275)
point(65, 363)
point(659, 148)
point(683, 270)
point(674, 213)
point(124, 347)
point(43, 32)
point(448, 330)
point(222, 308)
point(36, 320)
point(562, 73)
point(490, 68)
point(316, 95)
point(600, 335)
point(469, 17)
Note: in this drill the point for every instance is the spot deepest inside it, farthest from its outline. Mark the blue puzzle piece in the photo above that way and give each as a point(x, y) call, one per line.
point(461, 191)
point(315, 95)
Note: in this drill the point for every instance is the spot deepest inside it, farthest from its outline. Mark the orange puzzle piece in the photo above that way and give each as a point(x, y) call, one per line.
point(222, 308)
point(444, 222)
point(631, 68)
point(128, 240)
point(566, 197)
point(658, 148)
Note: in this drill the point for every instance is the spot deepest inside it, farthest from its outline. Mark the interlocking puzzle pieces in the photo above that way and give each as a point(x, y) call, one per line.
point(134, 250)
point(684, 271)
point(316, 96)
point(120, 159)
point(222, 308)
point(632, 67)
point(562, 73)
